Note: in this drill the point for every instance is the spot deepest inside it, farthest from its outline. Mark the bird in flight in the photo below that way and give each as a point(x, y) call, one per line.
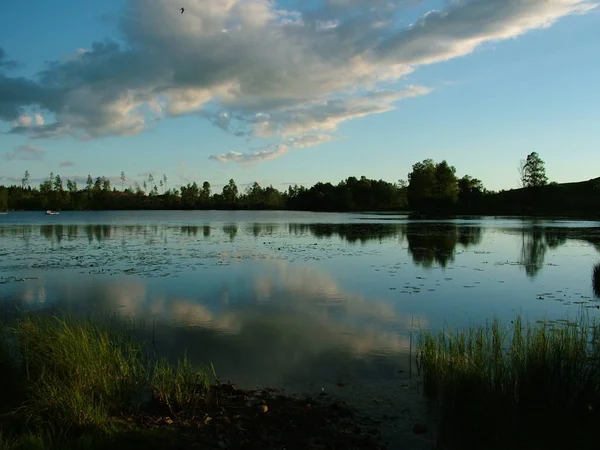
point(182, 10)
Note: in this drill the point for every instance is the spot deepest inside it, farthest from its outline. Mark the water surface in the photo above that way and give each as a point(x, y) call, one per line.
point(290, 298)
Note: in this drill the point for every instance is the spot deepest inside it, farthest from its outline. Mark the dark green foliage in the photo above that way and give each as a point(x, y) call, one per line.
point(350, 194)
point(3, 198)
point(533, 171)
point(432, 187)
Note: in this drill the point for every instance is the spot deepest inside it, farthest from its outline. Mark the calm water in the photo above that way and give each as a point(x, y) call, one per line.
point(288, 298)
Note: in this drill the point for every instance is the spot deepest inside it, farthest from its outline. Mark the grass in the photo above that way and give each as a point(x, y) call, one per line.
point(69, 378)
point(528, 385)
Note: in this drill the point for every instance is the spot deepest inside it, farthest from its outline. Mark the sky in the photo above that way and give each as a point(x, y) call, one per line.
point(297, 91)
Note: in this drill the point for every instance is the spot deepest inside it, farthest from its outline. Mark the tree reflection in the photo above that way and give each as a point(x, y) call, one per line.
point(535, 243)
point(353, 232)
point(596, 280)
point(257, 228)
point(429, 244)
point(231, 229)
point(190, 230)
point(98, 232)
point(469, 236)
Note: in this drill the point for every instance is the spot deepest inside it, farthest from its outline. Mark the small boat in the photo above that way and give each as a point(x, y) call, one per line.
point(52, 213)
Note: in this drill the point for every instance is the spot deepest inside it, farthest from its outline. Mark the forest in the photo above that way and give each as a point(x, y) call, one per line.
point(431, 189)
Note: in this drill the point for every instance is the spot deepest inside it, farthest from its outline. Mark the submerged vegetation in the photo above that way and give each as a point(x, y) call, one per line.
point(533, 386)
point(73, 384)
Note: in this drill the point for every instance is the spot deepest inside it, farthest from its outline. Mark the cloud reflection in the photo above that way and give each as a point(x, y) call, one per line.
point(295, 324)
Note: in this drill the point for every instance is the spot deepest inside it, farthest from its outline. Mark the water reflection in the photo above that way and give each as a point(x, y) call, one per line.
point(230, 230)
point(190, 230)
point(353, 232)
point(98, 232)
point(291, 324)
point(428, 244)
point(535, 243)
point(431, 244)
point(275, 303)
point(596, 280)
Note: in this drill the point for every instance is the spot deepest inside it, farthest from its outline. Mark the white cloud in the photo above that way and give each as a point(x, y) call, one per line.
point(264, 154)
point(23, 120)
point(67, 164)
point(254, 69)
point(25, 153)
point(310, 140)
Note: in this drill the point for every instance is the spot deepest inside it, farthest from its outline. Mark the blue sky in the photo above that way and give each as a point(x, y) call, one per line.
point(298, 92)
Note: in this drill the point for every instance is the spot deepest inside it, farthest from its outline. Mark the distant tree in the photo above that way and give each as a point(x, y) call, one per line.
point(190, 194)
point(3, 198)
point(206, 191)
point(123, 180)
point(89, 184)
point(58, 184)
point(469, 185)
point(105, 184)
point(432, 185)
point(533, 171)
point(470, 192)
point(165, 180)
point(46, 187)
point(446, 187)
point(161, 186)
point(254, 193)
point(230, 192)
point(421, 182)
point(71, 186)
point(25, 180)
point(98, 184)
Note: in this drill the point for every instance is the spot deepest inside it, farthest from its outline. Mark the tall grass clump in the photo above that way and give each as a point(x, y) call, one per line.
point(178, 385)
point(71, 381)
point(77, 373)
point(534, 385)
point(10, 386)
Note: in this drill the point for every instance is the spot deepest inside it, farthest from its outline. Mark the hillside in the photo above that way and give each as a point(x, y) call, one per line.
point(581, 197)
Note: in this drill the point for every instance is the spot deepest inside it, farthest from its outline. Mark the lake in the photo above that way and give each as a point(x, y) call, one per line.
point(293, 298)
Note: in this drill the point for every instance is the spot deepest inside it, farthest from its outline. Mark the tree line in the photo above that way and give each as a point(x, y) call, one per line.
point(100, 194)
point(431, 188)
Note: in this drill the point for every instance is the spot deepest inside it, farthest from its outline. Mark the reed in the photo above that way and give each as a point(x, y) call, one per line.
point(525, 384)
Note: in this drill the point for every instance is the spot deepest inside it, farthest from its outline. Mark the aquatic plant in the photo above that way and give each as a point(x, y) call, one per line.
point(531, 384)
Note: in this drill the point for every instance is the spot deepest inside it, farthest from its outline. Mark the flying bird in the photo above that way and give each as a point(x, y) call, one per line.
point(182, 10)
